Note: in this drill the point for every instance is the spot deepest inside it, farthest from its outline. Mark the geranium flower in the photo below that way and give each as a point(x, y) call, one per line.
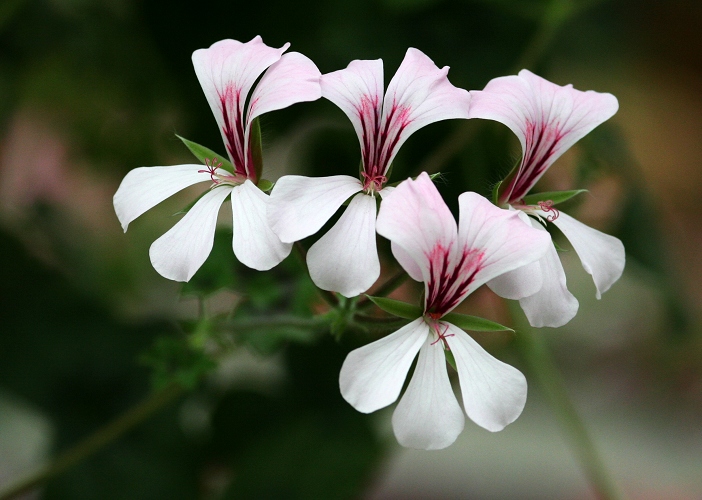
point(345, 259)
point(452, 261)
point(227, 72)
point(548, 119)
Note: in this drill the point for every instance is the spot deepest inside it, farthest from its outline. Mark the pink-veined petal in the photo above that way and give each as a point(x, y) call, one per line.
point(254, 243)
point(419, 94)
point(294, 78)
point(546, 118)
point(300, 206)
point(180, 252)
point(428, 416)
point(407, 262)
point(415, 218)
point(345, 260)
point(145, 187)
point(226, 71)
point(358, 91)
point(523, 281)
point(501, 238)
point(553, 305)
point(601, 255)
point(372, 376)
point(494, 393)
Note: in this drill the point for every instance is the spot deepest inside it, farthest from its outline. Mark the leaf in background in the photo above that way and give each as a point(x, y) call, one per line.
point(397, 307)
point(555, 196)
point(473, 323)
point(205, 154)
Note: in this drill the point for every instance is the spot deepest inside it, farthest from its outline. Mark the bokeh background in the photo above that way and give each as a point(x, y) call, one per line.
point(91, 89)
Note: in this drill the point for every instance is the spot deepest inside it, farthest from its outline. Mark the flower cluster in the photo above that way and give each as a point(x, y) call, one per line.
point(503, 245)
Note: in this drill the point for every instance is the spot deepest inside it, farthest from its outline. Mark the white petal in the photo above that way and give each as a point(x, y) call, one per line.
point(546, 118)
point(419, 94)
point(254, 243)
point(522, 282)
point(345, 260)
point(294, 78)
point(179, 253)
point(407, 262)
point(226, 71)
point(300, 206)
point(146, 187)
point(428, 416)
point(602, 255)
point(499, 238)
point(358, 91)
point(415, 218)
point(372, 376)
point(494, 393)
point(553, 305)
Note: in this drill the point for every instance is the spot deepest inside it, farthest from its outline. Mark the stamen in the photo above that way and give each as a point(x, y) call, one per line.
point(373, 183)
point(442, 336)
point(212, 166)
point(547, 206)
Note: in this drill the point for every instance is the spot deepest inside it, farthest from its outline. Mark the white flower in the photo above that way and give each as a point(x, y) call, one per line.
point(548, 119)
point(345, 259)
point(452, 261)
point(227, 72)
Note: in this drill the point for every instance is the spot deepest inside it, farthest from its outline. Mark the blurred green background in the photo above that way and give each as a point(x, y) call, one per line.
point(91, 89)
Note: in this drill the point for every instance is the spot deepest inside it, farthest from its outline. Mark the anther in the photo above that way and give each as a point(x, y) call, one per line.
point(547, 206)
point(373, 183)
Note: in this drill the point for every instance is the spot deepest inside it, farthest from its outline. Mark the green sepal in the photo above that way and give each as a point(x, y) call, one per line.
point(205, 154)
point(256, 146)
point(474, 324)
point(265, 185)
point(397, 307)
point(558, 247)
point(431, 177)
point(451, 360)
point(555, 196)
point(496, 193)
point(190, 205)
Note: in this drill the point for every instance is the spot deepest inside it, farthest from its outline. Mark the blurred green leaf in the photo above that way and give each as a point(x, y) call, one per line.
point(473, 323)
point(397, 307)
point(174, 359)
point(206, 155)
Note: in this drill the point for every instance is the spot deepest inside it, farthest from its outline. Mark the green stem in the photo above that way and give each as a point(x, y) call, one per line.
point(533, 348)
point(96, 441)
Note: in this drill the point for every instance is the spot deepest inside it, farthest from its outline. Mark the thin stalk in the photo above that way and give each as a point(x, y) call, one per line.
point(532, 346)
point(96, 441)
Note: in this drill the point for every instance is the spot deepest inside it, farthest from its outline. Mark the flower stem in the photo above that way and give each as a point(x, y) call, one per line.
point(532, 346)
point(96, 441)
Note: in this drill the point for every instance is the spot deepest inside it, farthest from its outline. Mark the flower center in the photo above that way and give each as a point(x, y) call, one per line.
point(220, 176)
point(373, 183)
point(440, 330)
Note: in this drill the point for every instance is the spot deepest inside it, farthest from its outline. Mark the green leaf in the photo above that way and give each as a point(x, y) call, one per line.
point(473, 323)
point(396, 307)
point(555, 196)
point(204, 154)
point(496, 193)
point(256, 147)
point(265, 185)
point(451, 360)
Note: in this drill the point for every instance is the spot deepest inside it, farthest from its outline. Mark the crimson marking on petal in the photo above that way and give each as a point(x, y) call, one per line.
point(449, 281)
point(539, 147)
point(235, 136)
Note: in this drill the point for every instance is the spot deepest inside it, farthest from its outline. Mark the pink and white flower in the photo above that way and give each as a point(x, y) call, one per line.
point(345, 259)
point(548, 119)
point(452, 261)
point(227, 72)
